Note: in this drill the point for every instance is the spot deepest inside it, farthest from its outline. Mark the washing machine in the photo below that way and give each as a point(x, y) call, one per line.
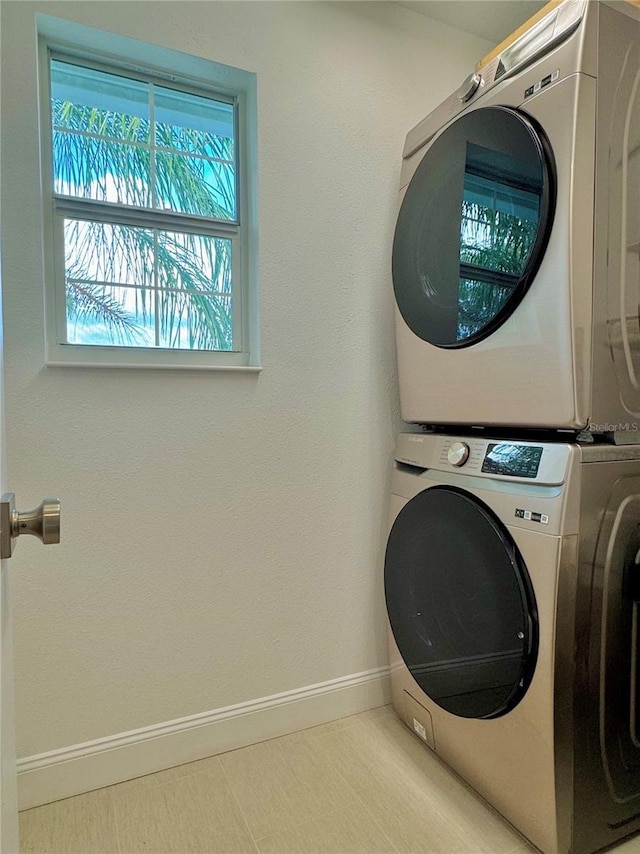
point(512, 583)
point(516, 265)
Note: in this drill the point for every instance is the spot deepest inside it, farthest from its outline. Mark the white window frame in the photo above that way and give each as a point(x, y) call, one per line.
point(92, 48)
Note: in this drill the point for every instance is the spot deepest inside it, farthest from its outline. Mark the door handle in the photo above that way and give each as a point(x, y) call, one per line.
point(43, 522)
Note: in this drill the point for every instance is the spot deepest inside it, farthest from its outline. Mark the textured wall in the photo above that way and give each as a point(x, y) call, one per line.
point(222, 534)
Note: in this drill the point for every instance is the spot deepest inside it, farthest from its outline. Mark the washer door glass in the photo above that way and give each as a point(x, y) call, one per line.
point(473, 226)
point(460, 604)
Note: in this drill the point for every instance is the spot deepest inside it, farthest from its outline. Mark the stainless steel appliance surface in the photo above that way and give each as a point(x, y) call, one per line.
point(516, 255)
point(512, 584)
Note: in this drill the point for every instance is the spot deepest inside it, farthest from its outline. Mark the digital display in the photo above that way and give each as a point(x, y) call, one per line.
point(514, 460)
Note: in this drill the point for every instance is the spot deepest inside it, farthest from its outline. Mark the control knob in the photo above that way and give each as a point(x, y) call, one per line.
point(469, 87)
point(458, 453)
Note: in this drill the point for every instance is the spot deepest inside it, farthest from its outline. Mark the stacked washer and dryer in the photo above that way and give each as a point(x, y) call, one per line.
point(512, 569)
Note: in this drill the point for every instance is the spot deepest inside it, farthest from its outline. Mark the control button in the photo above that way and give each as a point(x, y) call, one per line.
point(469, 87)
point(458, 453)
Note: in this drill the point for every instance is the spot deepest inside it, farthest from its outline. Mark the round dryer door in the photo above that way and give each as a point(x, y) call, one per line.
point(473, 226)
point(460, 604)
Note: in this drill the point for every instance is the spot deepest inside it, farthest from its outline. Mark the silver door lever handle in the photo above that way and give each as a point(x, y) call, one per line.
point(43, 522)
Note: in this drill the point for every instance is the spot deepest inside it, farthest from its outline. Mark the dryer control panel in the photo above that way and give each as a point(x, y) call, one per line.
point(538, 462)
point(510, 57)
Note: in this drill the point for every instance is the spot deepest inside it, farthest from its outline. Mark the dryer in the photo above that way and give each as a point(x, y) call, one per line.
point(516, 264)
point(512, 584)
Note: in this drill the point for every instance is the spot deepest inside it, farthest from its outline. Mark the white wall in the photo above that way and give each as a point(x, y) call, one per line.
point(222, 534)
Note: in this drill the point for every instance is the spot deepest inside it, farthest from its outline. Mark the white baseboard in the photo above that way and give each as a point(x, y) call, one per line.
point(81, 768)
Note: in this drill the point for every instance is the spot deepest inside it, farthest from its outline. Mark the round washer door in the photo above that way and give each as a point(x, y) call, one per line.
point(460, 604)
point(473, 226)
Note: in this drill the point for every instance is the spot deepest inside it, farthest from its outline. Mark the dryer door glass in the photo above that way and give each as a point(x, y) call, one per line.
point(473, 226)
point(460, 604)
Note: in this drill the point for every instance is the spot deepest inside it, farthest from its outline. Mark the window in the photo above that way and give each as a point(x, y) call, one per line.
point(149, 195)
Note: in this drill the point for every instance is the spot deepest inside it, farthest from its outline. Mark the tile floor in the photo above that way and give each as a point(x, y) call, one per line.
point(359, 785)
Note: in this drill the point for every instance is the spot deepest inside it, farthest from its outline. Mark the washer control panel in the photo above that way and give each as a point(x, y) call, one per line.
point(470, 457)
point(458, 453)
point(512, 458)
point(539, 462)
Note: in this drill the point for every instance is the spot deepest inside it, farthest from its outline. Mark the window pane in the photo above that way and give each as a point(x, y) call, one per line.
point(105, 315)
point(116, 254)
point(88, 105)
point(194, 262)
point(194, 185)
point(101, 170)
point(190, 268)
point(116, 276)
point(194, 321)
point(98, 258)
point(96, 102)
point(194, 124)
